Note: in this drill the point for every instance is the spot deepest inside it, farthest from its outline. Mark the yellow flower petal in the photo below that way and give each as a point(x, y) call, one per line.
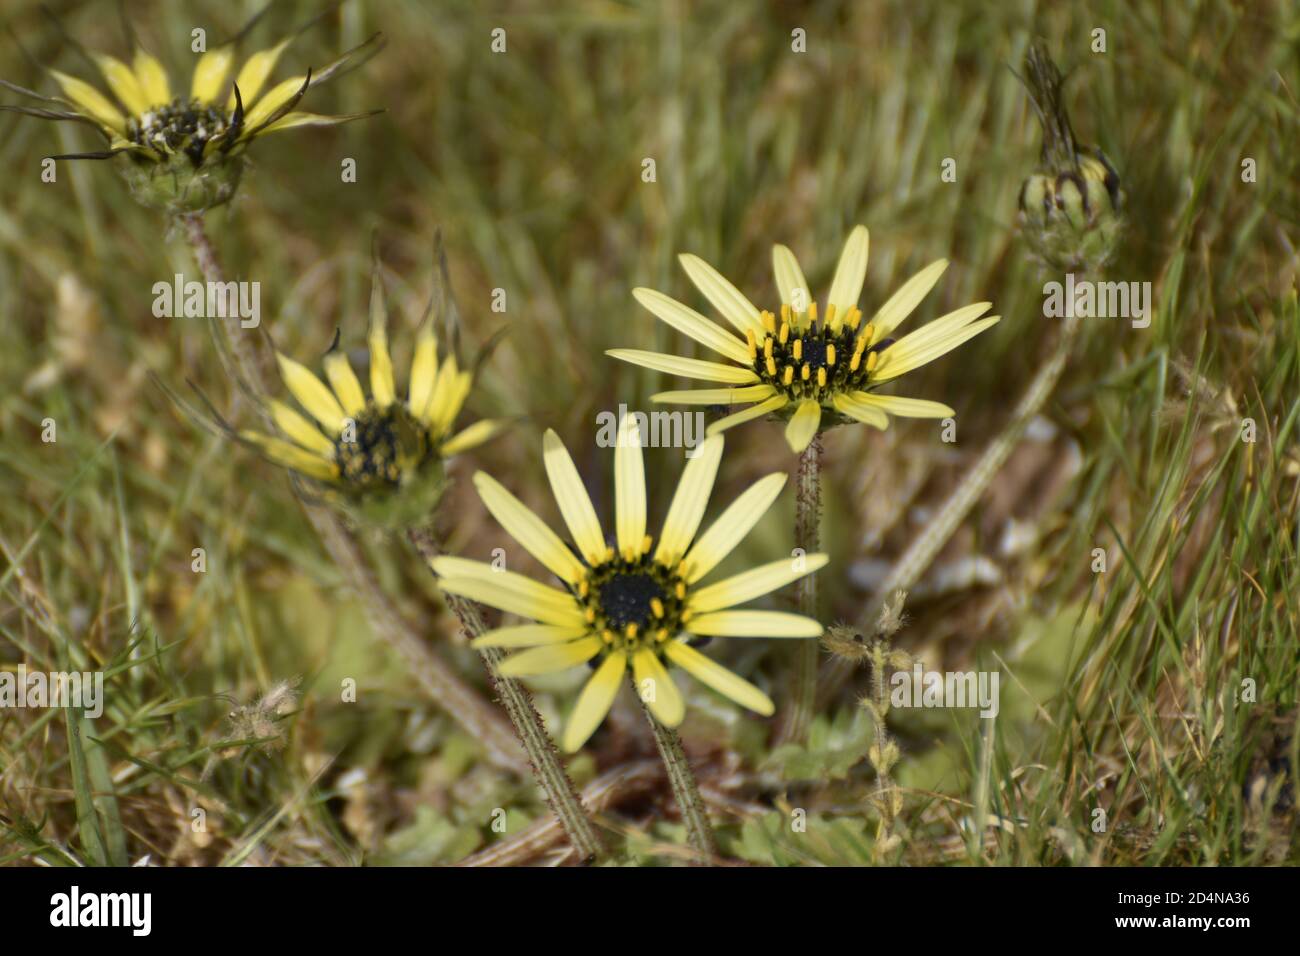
point(850, 273)
point(507, 591)
point(210, 72)
point(91, 102)
point(690, 368)
point(311, 394)
point(345, 383)
point(254, 74)
point(381, 362)
point(572, 498)
point(300, 430)
point(299, 118)
point(275, 98)
point(594, 701)
point(289, 455)
point(122, 81)
point(629, 488)
point(907, 353)
point(424, 371)
point(755, 624)
point(716, 396)
point(689, 502)
point(439, 406)
point(902, 302)
point(527, 635)
point(152, 77)
point(802, 427)
point(712, 674)
point(722, 295)
point(775, 403)
point(789, 278)
point(656, 688)
point(472, 436)
point(731, 526)
point(550, 657)
point(904, 407)
point(859, 411)
point(754, 583)
point(528, 529)
point(691, 323)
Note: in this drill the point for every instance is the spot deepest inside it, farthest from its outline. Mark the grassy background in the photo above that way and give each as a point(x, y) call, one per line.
point(1120, 690)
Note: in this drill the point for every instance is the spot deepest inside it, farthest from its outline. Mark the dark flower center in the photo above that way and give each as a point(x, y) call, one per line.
point(380, 446)
point(804, 357)
point(633, 602)
point(180, 126)
point(626, 599)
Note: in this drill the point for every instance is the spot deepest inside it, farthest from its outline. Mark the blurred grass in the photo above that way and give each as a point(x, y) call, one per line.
point(1120, 690)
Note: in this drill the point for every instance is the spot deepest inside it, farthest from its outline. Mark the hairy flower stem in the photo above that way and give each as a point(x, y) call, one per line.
point(798, 712)
point(699, 832)
point(445, 687)
point(883, 754)
point(542, 755)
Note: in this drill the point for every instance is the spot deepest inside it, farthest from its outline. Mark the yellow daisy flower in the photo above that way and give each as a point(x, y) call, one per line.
point(813, 370)
point(184, 150)
point(379, 455)
point(637, 605)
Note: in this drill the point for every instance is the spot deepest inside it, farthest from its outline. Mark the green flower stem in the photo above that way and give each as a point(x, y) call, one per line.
point(445, 687)
point(799, 707)
point(699, 832)
point(542, 755)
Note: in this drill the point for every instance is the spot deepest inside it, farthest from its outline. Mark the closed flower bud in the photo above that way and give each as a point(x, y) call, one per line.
point(1070, 207)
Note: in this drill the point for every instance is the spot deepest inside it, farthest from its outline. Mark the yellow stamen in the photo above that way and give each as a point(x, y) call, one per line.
point(785, 332)
point(821, 378)
point(812, 311)
point(590, 615)
point(657, 607)
point(607, 636)
point(662, 634)
point(872, 361)
point(789, 375)
point(767, 347)
point(752, 342)
point(830, 315)
point(646, 543)
point(686, 616)
point(855, 316)
point(630, 630)
point(771, 366)
point(785, 312)
point(680, 591)
point(805, 372)
point(584, 588)
point(830, 354)
point(855, 361)
point(769, 321)
point(798, 350)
